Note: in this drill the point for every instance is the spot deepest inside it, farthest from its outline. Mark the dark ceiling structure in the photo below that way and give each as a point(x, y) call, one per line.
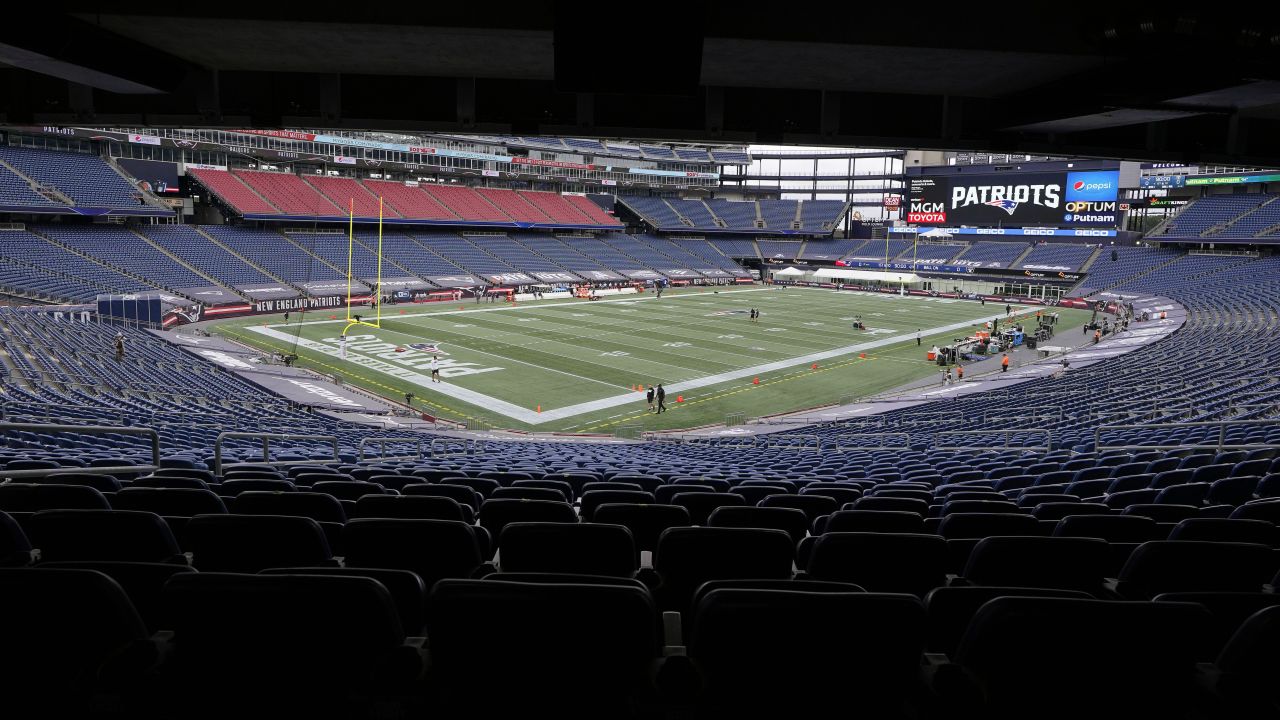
point(1153, 82)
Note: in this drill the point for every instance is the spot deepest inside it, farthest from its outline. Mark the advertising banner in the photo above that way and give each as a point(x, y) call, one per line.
point(152, 175)
point(1006, 199)
point(1232, 179)
point(456, 281)
point(551, 163)
point(265, 292)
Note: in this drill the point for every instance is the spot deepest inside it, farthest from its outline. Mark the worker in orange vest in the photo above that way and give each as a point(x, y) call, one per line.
point(1004, 363)
point(1097, 335)
point(959, 372)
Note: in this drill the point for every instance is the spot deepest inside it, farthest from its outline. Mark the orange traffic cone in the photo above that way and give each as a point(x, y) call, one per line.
point(813, 366)
point(862, 356)
point(755, 381)
point(679, 398)
point(539, 408)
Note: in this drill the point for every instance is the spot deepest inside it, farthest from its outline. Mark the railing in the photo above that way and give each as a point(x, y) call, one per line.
point(779, 441)
point(382, 446)
point(456, 447)
point(86, 430)
point(1220, 445)
point(846, 443)
point(266, 439)
point(982, 439)
point(628, 432)
point(1053, 413)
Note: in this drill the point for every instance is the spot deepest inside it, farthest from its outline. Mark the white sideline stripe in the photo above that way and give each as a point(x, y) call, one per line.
point(511, 308)
point(531, 417)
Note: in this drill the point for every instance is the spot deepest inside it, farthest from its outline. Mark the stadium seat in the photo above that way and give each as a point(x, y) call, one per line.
point(592, 499)
point(169, 501)
point(233, 487)
point(1067, 657)
point(1112, 528)
point(665, 493)
point(320, 507)
point(331, 639)
point(950, 609)
point(101, 483)
point(1159, 566)
point(1060, 563)
point(412, 507)
point(1245, 671)
point(880, 562)
point(495, 514)
point(686, 557)
point(1058, 510)
point(878, 664)
point(893, 504)
point(249, 543)
point(528, 493)
point(884, 521)
point(1164, 513)
point(1268, 510)
point(646, 522)
point(72, 641)
point(30, 497)
point(348, 490)
point(399, 544)
point(142, 582)
point(581, 548)
point(564, 488)
point(406, 589)
point(792, 521)
point(15, 548)
point(979, 525)
point(124, 535)
point(461, 494)
point(1258, 532)
point(813, 506)
point(530, 638)
point(701, 504)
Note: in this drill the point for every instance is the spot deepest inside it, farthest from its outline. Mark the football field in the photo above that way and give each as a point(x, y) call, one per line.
point(572, 365)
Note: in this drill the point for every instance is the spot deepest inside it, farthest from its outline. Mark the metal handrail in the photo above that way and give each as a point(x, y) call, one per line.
point(806, 442)
point(938, 444)
point(1221, 445)
point(86, 430)
point(841, 441)
point(469, 446)
point(266, 439)
point(382, 446)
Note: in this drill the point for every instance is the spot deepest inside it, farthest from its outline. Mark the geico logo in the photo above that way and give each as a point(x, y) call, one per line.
point(1081, 206)
point(1046, 195)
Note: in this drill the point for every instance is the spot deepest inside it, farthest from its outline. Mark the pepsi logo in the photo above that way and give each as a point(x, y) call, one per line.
point(1079, 185)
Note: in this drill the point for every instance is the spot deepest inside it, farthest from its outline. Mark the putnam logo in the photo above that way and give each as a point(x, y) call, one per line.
point(428, 347)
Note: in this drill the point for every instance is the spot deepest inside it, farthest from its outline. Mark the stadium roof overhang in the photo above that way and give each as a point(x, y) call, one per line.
point(1043, 80)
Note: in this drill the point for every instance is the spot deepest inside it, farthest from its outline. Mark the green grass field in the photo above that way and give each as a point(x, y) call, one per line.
point(570, 365)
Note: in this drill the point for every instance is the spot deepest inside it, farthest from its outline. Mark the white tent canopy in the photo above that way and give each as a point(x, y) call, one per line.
point(936, 233)
point(789, 272)
point(881, 276)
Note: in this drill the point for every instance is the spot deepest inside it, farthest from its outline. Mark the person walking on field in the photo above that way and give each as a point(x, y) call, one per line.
point(649, 396)
point(917, 338)
point(435, 369)
point(662, 399)
point(1008, 310)
point(1004, 363)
